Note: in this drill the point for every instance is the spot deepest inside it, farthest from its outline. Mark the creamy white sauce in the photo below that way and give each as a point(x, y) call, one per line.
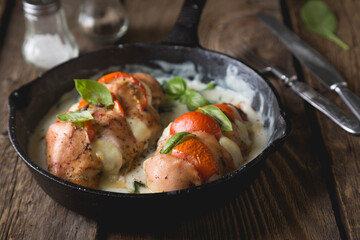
point(259, 137)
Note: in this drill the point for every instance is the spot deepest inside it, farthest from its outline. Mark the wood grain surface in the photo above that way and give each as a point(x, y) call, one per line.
point(2, 9)
point(308, 189)
point(342, 148)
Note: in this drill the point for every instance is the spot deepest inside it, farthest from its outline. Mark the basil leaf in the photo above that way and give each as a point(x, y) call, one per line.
point(175, 140)
point(78, 116)
point(182, 99)
point(218, 115)
point(93, 92)
point(194, 100)
point(136, 186)
point(175, 87)
point(211, 85)
point(319, 18)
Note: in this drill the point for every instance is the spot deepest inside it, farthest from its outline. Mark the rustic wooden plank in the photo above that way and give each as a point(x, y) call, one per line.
point(2, 6)
point(342, 147)
point(297, 164)
point(151, 21)
point(2, 10)
point(25, 209)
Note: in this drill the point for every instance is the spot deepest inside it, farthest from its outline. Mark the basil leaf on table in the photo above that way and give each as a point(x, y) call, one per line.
point(175, 87)
point(175, 140)
point(218, 115)
point(319, 18)
point(93, 92)
point(78, 116)
point(194, 100)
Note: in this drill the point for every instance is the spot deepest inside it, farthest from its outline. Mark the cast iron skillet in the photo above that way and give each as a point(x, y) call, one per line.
point(29, 104)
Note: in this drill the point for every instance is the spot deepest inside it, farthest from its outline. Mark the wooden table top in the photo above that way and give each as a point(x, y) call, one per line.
point(308, 189)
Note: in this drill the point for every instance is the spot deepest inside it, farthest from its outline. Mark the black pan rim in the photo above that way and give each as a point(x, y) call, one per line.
point(257, 160)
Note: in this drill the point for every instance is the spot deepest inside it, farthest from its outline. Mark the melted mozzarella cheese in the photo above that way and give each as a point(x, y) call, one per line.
point(110, 155)
point(139, 129)
point(233, 149)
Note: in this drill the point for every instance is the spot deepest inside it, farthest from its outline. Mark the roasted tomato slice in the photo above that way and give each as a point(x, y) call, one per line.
point(195, 121)
point(142, 99)
point(198, 154)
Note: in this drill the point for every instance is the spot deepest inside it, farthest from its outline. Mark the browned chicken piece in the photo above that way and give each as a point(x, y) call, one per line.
point(225, 151)
point(70, 155)
point(157, 91)
point(126, 94)
point(117, 136)
point(111, 126)
point(167, 173)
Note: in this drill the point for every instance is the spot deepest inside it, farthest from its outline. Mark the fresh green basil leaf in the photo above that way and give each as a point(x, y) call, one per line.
point(74, 117)
point(175, 87)
point(182, 99)
point(136, 185)
point(194, 100)
point(211, 85)
point(218, 115)
point(319, 18)
point(93, 92)
point(175, 140)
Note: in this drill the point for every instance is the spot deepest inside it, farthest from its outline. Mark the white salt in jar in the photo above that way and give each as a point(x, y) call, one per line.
point(48, 41)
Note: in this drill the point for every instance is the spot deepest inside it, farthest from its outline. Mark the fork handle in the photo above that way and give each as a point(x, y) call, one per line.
point(345, 120)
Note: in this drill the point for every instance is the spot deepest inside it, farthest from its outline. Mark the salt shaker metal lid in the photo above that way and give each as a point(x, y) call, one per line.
point(40, 7)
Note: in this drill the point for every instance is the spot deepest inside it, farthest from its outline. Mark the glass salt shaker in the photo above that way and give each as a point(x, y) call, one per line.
point(103, 21)
point(48, 41)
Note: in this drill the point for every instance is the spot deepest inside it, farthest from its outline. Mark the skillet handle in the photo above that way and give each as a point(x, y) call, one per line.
point(184, 32)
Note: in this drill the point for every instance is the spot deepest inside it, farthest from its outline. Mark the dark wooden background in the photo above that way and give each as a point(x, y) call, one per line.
point(309, 188)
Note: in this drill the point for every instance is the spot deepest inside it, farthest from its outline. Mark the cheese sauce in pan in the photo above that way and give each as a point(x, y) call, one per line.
point(124, 184)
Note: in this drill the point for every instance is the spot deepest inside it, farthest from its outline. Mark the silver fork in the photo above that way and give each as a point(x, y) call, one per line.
point(345, 120)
